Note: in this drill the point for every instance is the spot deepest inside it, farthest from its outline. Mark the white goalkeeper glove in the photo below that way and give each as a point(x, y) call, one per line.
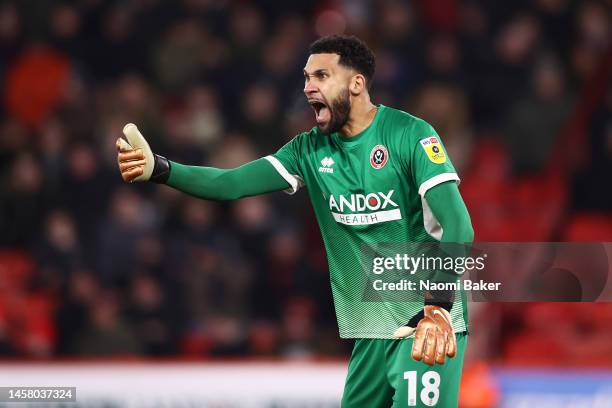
point(136, 159)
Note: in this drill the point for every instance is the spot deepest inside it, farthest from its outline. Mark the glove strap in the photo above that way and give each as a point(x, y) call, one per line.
point(441, 298)
point(444, 305)
point(161, 170)
point(414, 321)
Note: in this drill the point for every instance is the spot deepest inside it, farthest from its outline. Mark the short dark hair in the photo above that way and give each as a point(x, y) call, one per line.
point(353, 53)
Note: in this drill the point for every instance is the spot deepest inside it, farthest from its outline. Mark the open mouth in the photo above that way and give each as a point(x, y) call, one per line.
point(322, 112)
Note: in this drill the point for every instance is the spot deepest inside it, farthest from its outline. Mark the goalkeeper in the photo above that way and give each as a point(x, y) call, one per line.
point(374, 174)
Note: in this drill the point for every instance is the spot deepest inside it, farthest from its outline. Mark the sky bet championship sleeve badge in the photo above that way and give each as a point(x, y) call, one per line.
point(434, 149)
point(379, 156)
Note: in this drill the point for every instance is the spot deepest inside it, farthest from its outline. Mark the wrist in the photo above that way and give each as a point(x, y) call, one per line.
point(161, 170)
point(439, 303)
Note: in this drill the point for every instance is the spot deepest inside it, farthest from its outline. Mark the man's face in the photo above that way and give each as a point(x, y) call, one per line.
point(326, 85)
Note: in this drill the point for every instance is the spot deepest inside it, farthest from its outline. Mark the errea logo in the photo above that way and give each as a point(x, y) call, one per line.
point(326, 165)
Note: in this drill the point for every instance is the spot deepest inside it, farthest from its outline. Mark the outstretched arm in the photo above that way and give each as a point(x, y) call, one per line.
point(256, 177)
point(138, 163)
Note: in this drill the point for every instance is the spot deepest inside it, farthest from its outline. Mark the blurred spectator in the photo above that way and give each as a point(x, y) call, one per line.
point(444, 60)
point(59, 252)
point(115, 34)
point(72, 315)
point(588, 194)
point(65, 24)
point(594, 24)
point(52, 145)
point(15, 138)
point(130, 220)
point(284, 52)
point(555, 16)
point(264, 339)
point(10, 33)
point(255, 221)
point(106, 333)
point(246, 33)
point(237, 149)
point(178, 57)
point(534, 122)
point(206, 120)
point(149, 316)
point(35, 84)
point(446, 109)
point(23, 201)
point(261, 116)
point(6, 348)
point(84, 188)
point(396, 24)
point(299, 332)
point(503, 82)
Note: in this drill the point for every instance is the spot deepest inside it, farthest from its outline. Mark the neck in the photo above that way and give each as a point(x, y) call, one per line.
point(361, 116)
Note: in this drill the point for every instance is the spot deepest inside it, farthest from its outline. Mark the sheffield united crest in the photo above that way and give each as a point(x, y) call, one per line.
point(379, 156)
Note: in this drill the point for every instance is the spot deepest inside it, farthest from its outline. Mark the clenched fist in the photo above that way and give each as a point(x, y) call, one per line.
point(136, 160)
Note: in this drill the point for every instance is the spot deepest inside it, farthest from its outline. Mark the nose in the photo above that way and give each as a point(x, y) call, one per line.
point(309, 88)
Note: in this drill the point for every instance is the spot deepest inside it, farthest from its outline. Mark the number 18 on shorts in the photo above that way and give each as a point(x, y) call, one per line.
point(382, 374)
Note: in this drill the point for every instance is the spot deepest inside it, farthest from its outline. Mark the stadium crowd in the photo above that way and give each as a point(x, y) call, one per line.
point(519, 91)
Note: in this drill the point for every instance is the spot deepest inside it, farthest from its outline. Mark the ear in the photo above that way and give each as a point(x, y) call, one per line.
point(357, 84)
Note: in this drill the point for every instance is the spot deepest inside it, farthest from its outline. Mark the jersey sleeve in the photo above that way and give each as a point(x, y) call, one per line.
point(287, 163)
point(429, 163)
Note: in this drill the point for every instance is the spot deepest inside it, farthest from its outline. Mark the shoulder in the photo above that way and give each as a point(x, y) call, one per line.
point(407, 122)
point(308, 140)
point(306, 137)
point(300, 141)
point(410, 127)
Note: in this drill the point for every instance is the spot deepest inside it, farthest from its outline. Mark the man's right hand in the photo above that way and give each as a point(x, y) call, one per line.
point(136, 160)
point(434, 337)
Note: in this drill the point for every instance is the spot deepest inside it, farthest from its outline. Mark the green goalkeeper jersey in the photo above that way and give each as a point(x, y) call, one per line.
point(366, 190)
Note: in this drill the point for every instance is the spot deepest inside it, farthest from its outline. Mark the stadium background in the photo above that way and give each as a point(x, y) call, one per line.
point(91, 268)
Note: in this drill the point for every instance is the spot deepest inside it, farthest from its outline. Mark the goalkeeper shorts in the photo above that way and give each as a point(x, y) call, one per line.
point(383, 374)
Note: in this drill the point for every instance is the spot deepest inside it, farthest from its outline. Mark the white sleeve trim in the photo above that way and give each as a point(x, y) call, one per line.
point(435, 180)
point(430, 222)
point(294, 180)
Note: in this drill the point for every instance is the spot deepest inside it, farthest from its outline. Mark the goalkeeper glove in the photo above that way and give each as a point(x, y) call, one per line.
point(434, 337)
point(136, 160)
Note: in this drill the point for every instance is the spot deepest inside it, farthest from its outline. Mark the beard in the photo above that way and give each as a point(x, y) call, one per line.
point(339, 109)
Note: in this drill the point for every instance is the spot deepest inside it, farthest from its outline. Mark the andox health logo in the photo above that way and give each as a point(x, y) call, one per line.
point(364, 209)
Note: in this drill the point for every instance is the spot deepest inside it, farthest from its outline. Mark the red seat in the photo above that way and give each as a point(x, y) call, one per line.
point(534, 349)
point(15, 269)
point(589, 227)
